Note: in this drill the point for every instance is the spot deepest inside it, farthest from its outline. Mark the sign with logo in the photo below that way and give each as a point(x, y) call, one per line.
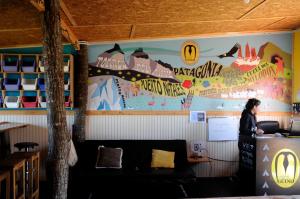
point(190, 52)
point(285, 168)
point(277, 166)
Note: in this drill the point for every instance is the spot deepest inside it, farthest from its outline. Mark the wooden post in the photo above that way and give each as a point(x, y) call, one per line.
point(58, 135)
point(81, 95)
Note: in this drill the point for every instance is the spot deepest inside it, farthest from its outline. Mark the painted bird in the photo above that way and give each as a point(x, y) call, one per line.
point(231, 52)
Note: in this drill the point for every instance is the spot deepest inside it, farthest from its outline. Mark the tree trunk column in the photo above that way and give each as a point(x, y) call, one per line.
point(81, 88)
point(58, 135)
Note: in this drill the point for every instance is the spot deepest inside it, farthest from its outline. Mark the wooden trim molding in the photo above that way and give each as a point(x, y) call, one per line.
point(208, 113)
point(195, 36)
point(30, 112)
point(91, 113)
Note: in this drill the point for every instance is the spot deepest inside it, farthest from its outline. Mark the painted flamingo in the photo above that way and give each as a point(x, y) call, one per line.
point(164, 103)
point(151, 103)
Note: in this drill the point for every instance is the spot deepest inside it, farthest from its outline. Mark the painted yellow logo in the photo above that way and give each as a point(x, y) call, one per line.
point(190, 52)
point(285, 168)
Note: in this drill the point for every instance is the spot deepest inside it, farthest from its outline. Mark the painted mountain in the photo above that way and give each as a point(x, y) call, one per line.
point(140, 66)
point(106, 95)
point(273, 54)
point(268, 50)
point(140, 61)
point(247, 62)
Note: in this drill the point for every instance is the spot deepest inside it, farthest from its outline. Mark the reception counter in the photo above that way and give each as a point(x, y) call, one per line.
point(270, 164)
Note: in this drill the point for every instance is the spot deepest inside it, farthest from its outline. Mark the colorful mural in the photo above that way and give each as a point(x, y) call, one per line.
point(159, 75)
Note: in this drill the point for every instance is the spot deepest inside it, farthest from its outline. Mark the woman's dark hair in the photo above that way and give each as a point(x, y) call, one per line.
point(251, 103)
point(249, 106)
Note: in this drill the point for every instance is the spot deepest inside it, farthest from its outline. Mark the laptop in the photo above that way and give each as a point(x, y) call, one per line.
point(295, 129)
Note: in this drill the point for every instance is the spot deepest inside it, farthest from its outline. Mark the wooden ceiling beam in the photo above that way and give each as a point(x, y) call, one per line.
point(66, 31)
point(132, 31)
point(133, 26)
point(38, 4)
point(69, 35)
point(251, 10)
point(18, 29)
point(262, 28)
point(67, 13)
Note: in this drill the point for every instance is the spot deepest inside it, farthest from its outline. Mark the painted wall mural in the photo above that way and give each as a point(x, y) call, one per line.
point(199, 74)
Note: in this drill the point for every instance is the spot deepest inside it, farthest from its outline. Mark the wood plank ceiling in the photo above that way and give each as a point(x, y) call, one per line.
point(102, 20)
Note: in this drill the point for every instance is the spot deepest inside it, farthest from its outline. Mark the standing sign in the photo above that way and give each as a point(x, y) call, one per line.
point(277, 166)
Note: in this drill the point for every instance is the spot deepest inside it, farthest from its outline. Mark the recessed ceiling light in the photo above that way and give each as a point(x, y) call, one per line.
point(246, 1)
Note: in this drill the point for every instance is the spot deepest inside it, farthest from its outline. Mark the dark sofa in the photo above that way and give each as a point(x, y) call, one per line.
point(136, 179)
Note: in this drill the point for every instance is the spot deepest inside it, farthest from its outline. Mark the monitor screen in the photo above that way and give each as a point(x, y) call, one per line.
point(295, 128)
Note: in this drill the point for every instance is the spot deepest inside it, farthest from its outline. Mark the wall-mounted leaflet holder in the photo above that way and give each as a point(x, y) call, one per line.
point(198, 148)
point(197, 116)
point(296, 108)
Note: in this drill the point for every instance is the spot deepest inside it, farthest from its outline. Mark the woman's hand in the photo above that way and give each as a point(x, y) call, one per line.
point(259, 132)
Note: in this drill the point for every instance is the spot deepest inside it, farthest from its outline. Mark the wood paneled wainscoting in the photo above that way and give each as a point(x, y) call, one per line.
point(141, 125)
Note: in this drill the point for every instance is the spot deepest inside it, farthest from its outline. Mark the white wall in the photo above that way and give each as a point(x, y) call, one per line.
point(36, 131)
point(139, 127)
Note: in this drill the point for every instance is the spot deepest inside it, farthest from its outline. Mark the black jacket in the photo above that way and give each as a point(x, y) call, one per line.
point(247, 123)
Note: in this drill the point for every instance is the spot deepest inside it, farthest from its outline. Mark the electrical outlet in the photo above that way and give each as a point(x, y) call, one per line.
point(198, 148)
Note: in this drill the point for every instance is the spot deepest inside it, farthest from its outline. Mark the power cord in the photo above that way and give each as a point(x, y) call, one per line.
point(216, 159)
point(222, 160)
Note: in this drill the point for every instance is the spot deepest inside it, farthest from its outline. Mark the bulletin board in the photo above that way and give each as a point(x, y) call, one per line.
point(222, 128)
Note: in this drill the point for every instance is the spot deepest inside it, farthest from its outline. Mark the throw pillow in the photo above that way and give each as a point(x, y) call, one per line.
point(109, 157)
point(162, 159)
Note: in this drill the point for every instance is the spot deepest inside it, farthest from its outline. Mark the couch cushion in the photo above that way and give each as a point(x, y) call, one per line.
point(162, 159)
point(87, 153)
point(109, 157)
point(144, 152)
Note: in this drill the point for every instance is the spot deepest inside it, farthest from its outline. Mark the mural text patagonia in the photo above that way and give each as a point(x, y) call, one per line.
point(209, 69)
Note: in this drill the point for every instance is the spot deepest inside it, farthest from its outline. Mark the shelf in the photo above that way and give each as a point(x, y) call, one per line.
point(32, 169)
point(5, 180)
point(17, 178)
point(194, 160)
point(31, 80)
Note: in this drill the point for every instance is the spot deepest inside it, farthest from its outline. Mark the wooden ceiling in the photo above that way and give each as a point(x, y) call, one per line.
point(103, 20)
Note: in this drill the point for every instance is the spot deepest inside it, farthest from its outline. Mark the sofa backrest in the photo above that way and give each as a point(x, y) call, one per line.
point(137, 154)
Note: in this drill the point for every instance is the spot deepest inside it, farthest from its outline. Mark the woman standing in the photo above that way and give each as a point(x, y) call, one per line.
point(246, 144)
point(248, 119)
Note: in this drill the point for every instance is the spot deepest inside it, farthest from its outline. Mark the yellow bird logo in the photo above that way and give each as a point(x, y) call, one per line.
point(190, 52)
